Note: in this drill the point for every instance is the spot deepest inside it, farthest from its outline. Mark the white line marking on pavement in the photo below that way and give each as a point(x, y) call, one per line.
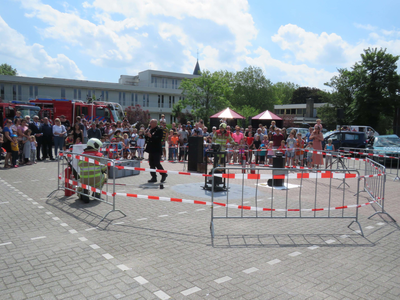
point(44, 198)
point(35, 203)
point(162, 216)
point(200, 209)
point(56, 218)
point(222, 279)
point(245, 202)
point(273, 262)
point(64, 224)
point(49, 213)
point(83, 239)
point(38, 238)
point(93, 228)
point(108, 256)
point(142, 219)
point(52, 179)
point(25, 196)
point(358, 231)
point(94, 246)
point(369, 227)
point(21, 193)
point(344, 236)
point(30, 199)
point(73, 231)
point(17, 181)
point(293, 254)
point(162, 295)
point(330, 241)
point(141, 280)
point(182, 212)
point(8, 243)
point(191, 291)
point(123, 267)
point(118, 223)
point(34, 180)
point(4, 202)
point(251, 270)
point(40, 206)
point(313, 247)
point(380, 223)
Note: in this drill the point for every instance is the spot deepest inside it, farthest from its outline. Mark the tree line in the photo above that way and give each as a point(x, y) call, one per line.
point(366, 94)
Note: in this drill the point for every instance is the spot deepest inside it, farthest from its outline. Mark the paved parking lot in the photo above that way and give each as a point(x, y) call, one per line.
point(57, 247)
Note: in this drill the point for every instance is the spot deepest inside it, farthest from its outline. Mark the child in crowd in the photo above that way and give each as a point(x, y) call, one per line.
point(262, 152)
point(291, 145)
point(14, 150)
point(318, 125)
point(132, 143)
point(328, 158)
point(242, 150)
point(249, 142)
point(299, 150)
point(140, 144)
point(27, 146)
point(256, 146)
point(170, 135)
point(270, 153)
point(69, 141)
point(174, 145)
point(78, 141)
point(309, 154)
point(33, 148)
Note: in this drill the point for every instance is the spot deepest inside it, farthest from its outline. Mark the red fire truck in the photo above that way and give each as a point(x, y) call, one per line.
point(54, 108)
point(8, 110)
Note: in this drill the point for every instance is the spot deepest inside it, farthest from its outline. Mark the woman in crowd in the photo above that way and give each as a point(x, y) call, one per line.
point(7, 132)
point(77, 133)
point(59, 132)
point(317, 139)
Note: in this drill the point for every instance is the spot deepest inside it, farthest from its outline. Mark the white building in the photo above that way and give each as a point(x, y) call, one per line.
point(155, 91)
point(302, 113)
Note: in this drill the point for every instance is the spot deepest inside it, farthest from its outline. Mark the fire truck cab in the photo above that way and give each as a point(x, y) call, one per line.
point(103, 111)
point(8, 110)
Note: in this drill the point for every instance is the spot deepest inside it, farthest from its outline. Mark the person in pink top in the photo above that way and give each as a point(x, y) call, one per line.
point(237, 137)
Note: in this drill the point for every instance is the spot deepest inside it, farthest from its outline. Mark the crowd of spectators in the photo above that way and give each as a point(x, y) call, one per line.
point(27, 141)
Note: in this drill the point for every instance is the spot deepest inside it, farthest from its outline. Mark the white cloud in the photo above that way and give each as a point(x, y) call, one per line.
point(236, 18)
point(101, 42)
point(311, 47)
point(281, 71)
point(33, 60)
point(167, 30)
point(365, 26)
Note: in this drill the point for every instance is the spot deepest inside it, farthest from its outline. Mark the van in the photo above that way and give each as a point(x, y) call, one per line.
point(358, 128)
point(346, 139)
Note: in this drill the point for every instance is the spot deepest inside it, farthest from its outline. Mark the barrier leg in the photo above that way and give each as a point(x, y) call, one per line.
point(359, 225)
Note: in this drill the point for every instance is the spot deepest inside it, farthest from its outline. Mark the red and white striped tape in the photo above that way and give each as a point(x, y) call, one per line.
point(322, 175)
point(244, 207)
point(371, 154)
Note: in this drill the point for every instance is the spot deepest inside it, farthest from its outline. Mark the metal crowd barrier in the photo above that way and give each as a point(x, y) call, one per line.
point(388, 158)
point(93, 185)
point(295, 193)
point(375, 186)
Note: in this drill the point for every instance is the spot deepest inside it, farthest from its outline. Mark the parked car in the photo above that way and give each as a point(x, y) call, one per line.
point(360, 128)
point(303, 131)
point(388, 145)
point(346, 139)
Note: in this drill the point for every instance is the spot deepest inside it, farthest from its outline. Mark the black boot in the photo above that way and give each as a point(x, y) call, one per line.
point(163, 177)
point(153, 179)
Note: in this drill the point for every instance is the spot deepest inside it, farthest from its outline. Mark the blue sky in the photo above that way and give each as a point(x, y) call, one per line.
point(298, 41)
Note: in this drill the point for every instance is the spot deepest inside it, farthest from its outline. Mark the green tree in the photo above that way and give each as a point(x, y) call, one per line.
point(301, 95)
point(376, 84)
point(6, 69)
point(206, 94)
point(251, 88)
point(282, 92)
point(135, 114)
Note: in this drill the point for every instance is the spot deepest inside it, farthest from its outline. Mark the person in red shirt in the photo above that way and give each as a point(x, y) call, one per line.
point(250, 141)
point(277, 138)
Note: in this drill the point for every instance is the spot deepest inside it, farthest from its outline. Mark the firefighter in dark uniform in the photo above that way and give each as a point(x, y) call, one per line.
point(154, 135)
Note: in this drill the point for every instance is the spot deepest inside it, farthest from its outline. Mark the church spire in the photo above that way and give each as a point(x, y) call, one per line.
point(197, 70)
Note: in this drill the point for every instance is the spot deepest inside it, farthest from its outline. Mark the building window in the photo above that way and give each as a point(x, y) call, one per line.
point(144, 100)
point(154, 81)
point(159, 100)
point(36, 91)
point(147, 98)
point(123, 99)
point(77, 94)
point(62, 93)
point(19, 92)
point(106, 95)
point(31, 91)
point(89, 95)
point(14, 92)
point(2, 91)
